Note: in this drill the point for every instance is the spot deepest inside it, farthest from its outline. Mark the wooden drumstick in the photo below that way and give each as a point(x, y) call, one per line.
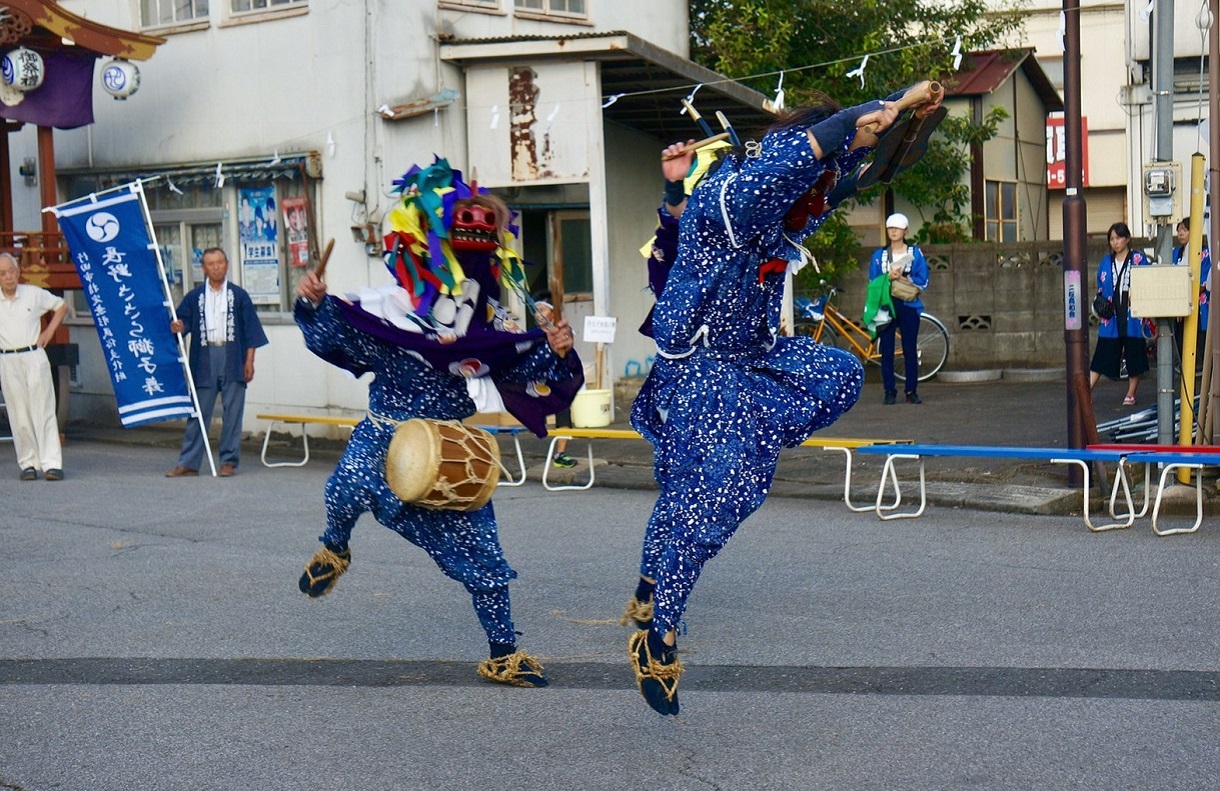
point(321, 270)
point(922, 93)
point(707, 141)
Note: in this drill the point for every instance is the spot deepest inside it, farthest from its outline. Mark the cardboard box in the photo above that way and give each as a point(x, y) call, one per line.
point(492, 419)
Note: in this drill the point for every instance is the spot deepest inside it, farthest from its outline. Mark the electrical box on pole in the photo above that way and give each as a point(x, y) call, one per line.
point(1162, 198)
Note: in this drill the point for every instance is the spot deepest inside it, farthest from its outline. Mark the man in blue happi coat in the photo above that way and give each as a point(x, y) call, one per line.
point(225, 331)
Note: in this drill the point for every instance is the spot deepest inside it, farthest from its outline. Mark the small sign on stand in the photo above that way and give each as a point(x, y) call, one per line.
point(600, 330)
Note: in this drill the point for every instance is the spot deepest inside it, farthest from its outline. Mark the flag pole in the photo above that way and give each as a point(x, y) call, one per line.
point(138, 187)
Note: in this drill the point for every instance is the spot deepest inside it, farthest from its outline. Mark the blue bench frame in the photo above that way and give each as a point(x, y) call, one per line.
point(1081, 458)
point(1172, 461)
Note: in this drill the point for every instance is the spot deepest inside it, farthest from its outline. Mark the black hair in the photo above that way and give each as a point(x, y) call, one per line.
point(1120, 229)
point(806, 115)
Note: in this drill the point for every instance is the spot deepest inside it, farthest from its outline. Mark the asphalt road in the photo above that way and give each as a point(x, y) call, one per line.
point(152, 637)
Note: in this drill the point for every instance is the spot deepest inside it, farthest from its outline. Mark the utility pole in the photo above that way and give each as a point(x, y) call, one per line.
point(1162, 91)
point(1213, 114)
point(1075, 243)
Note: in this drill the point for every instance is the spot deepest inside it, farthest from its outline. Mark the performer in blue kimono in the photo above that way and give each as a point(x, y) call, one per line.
point(426, 374)
point(726, 392)
point(225, 331)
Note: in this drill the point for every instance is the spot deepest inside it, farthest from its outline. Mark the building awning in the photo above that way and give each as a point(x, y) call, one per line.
point(286, 167)
point(652, 81)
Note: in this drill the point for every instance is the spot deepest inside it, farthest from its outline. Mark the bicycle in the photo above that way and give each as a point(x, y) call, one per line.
point(827, 325)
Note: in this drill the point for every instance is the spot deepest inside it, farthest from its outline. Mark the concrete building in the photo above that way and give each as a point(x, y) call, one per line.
point(257, 115)
point(1117, 102)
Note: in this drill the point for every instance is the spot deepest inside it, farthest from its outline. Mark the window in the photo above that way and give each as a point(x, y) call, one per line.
point(553, 7)
point(242, 6)
point(270, 240)
point(162, 13)
point(1001, 211)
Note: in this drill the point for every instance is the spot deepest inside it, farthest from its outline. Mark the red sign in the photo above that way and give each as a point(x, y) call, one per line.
point(1056, 152)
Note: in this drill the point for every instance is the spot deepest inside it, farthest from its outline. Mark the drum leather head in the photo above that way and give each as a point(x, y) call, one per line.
point(412, 461)
point(442, 464)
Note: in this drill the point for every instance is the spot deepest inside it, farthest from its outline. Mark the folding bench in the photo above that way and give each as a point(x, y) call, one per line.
point(919, 453)
point(1171, 462)
point(302, 421)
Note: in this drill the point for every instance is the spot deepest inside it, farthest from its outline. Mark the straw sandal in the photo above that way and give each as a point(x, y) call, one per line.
point(657, 676)
point(518, 669)
point(323, 570)
point(638, 613)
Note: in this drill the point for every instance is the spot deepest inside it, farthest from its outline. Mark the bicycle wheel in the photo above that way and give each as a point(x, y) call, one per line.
point(932, 348)
point(809, 329)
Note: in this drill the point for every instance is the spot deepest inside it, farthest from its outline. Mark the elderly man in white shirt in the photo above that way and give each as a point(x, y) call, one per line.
point(25, 371)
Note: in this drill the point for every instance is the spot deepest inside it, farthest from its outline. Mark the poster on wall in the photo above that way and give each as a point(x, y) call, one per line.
point(258, 223)
point(296, 231)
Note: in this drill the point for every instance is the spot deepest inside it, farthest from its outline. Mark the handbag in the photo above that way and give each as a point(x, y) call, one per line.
point(1103, 307)
point(901, 288)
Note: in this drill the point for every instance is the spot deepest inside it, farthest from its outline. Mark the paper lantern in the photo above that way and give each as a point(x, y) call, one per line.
point(23, 69)
point(120, 78)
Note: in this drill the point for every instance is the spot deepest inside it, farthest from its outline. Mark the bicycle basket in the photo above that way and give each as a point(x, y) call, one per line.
point(808, 309)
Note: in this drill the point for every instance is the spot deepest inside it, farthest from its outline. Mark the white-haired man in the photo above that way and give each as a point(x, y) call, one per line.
point(25, 371)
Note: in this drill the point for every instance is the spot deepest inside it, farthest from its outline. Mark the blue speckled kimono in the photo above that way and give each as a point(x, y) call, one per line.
point(726, 394)
point(465, 545)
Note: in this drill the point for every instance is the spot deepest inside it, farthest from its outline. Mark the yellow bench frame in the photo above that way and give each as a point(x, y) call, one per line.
point(845, 445)
point(351, 422)
point(302, 421)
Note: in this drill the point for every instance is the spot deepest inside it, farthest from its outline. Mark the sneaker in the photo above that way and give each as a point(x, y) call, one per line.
point(563, 460)
point(29, 474)
point(913, 398)
point(54, 474)
point(891, 397)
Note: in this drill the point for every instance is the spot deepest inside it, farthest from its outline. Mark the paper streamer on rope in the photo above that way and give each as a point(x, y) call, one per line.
point(859, 72)
point(690, 97)
point(1146, 14)
point(779, 93)
point(495, 116)
point(957, 53)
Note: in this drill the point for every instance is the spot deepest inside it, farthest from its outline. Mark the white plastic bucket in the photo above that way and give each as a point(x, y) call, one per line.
point(591, 409)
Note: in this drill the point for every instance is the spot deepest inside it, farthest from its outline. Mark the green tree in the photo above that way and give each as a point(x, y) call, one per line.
point(817, 42)
point(934, 185)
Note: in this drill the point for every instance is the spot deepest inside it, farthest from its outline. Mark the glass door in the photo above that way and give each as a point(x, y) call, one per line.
point(182, 242)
